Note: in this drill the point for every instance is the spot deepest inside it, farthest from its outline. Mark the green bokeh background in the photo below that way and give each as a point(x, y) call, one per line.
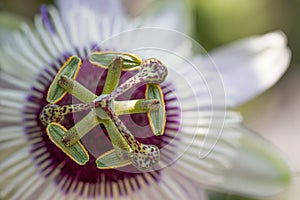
point(221, 21)
point(214, 22)
point(217, 22)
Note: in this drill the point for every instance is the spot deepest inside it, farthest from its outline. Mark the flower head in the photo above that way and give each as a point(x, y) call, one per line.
point(95, 107)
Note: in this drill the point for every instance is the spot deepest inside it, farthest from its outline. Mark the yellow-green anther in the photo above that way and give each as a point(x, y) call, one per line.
point(113, 75)
point(110, 160)
point(77, 152)
point(70, 69)
point(76, 89)
point(157, 118)
point(80, 129)
point(136, 106)
point(104, 58)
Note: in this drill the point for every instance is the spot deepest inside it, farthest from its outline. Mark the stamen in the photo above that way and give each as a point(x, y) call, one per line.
point(157, 118)
point(111, 160)
point(77, 152)
point(104, 58)
point(70, 69)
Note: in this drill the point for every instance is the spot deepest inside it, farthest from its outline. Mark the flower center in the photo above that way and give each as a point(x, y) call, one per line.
point(109, 135)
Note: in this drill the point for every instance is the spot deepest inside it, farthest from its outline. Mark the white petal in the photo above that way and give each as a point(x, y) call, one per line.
point(167, 185)
point(249, 166)
point(258, 167)
point(292, 193)
point(252, 65)
point(102, 7)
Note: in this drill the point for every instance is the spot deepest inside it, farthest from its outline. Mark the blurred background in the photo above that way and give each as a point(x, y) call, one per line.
point(276, 113)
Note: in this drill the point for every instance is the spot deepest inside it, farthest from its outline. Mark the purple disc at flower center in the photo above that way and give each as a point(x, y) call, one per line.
point(97, 141)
